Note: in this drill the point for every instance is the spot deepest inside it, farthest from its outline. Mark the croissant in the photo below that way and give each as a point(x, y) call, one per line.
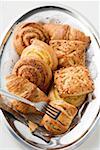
point(43, 51)
point(22, 87)
point(35, 70)
point(74, 100)
point(56, 31)
point(65, 32)
point(64, 120)
point(69, 53)
point(73, 81)
point(24, 34)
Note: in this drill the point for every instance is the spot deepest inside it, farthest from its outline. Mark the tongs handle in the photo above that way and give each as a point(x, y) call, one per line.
point(18, 98)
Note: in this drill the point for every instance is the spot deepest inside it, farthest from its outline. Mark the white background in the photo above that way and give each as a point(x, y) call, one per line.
point(9, 11)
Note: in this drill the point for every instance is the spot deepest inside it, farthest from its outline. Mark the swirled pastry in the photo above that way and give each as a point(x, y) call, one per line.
point(43, 51)
point(22, 87)
point(74, 100)
point(35, 70)
point(64, 120)
point(69, 53)
point(73, 81)
point(24, 34)
point(65, 32)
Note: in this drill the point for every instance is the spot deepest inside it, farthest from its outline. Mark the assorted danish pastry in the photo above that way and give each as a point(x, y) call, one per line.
point(22, 87)
point(69, 53)
point(24, 34)
point(52, 68)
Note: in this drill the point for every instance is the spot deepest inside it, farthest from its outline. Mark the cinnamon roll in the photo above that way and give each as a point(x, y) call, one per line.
point(73, 81)
point(35, 70)
point(24, 34)
point(65, 32)
point(22, 87)
point(69, 53)
point(74, 100)
point(43, 51)
point(64, 120)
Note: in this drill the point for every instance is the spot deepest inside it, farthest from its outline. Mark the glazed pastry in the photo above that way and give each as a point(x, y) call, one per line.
point(22, 87)
point(69, 53)
point(24, 34)
point(74, 100)
point(73, 81)
point(64, 120)
point(35, 70)
point(65, 32)
point(43, 51)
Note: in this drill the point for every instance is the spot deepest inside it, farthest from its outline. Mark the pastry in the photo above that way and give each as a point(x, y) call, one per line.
point(64, 120)
point(35, 70)
point(43, 51)
point(73, 81)
point(69, 53)
point(65, 32)
point(22, 87)
point(24, 34)
point(56, 31)
point(74, 100)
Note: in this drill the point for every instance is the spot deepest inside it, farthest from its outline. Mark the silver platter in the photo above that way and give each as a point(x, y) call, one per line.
point(91, 115)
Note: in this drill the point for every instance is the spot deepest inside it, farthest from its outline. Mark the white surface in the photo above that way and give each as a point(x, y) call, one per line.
point(11, 10)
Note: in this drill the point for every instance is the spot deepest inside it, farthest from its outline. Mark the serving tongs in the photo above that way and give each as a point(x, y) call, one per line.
point(42, 106)
point(14, 115)
point(40, 131)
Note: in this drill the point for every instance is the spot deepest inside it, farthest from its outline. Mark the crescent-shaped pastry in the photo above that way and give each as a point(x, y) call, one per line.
point(65, 32)
point(69, 53)
point(73, 81)
point(35, 70)
point(74, 100)
point(43, 51)
point(24, 34)
point(56, 31)
point(64, 120)
point(22, 87)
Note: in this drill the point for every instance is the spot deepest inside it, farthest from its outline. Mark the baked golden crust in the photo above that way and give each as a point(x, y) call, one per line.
point(74, 100)
point(42, 51)
point(64, 120)
point(35, 70)
point(22, 87)
point(65, 32)
point(69, 53)
point(73, 81)
point(75, 34)
point(24, 34)
point(56, 31)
